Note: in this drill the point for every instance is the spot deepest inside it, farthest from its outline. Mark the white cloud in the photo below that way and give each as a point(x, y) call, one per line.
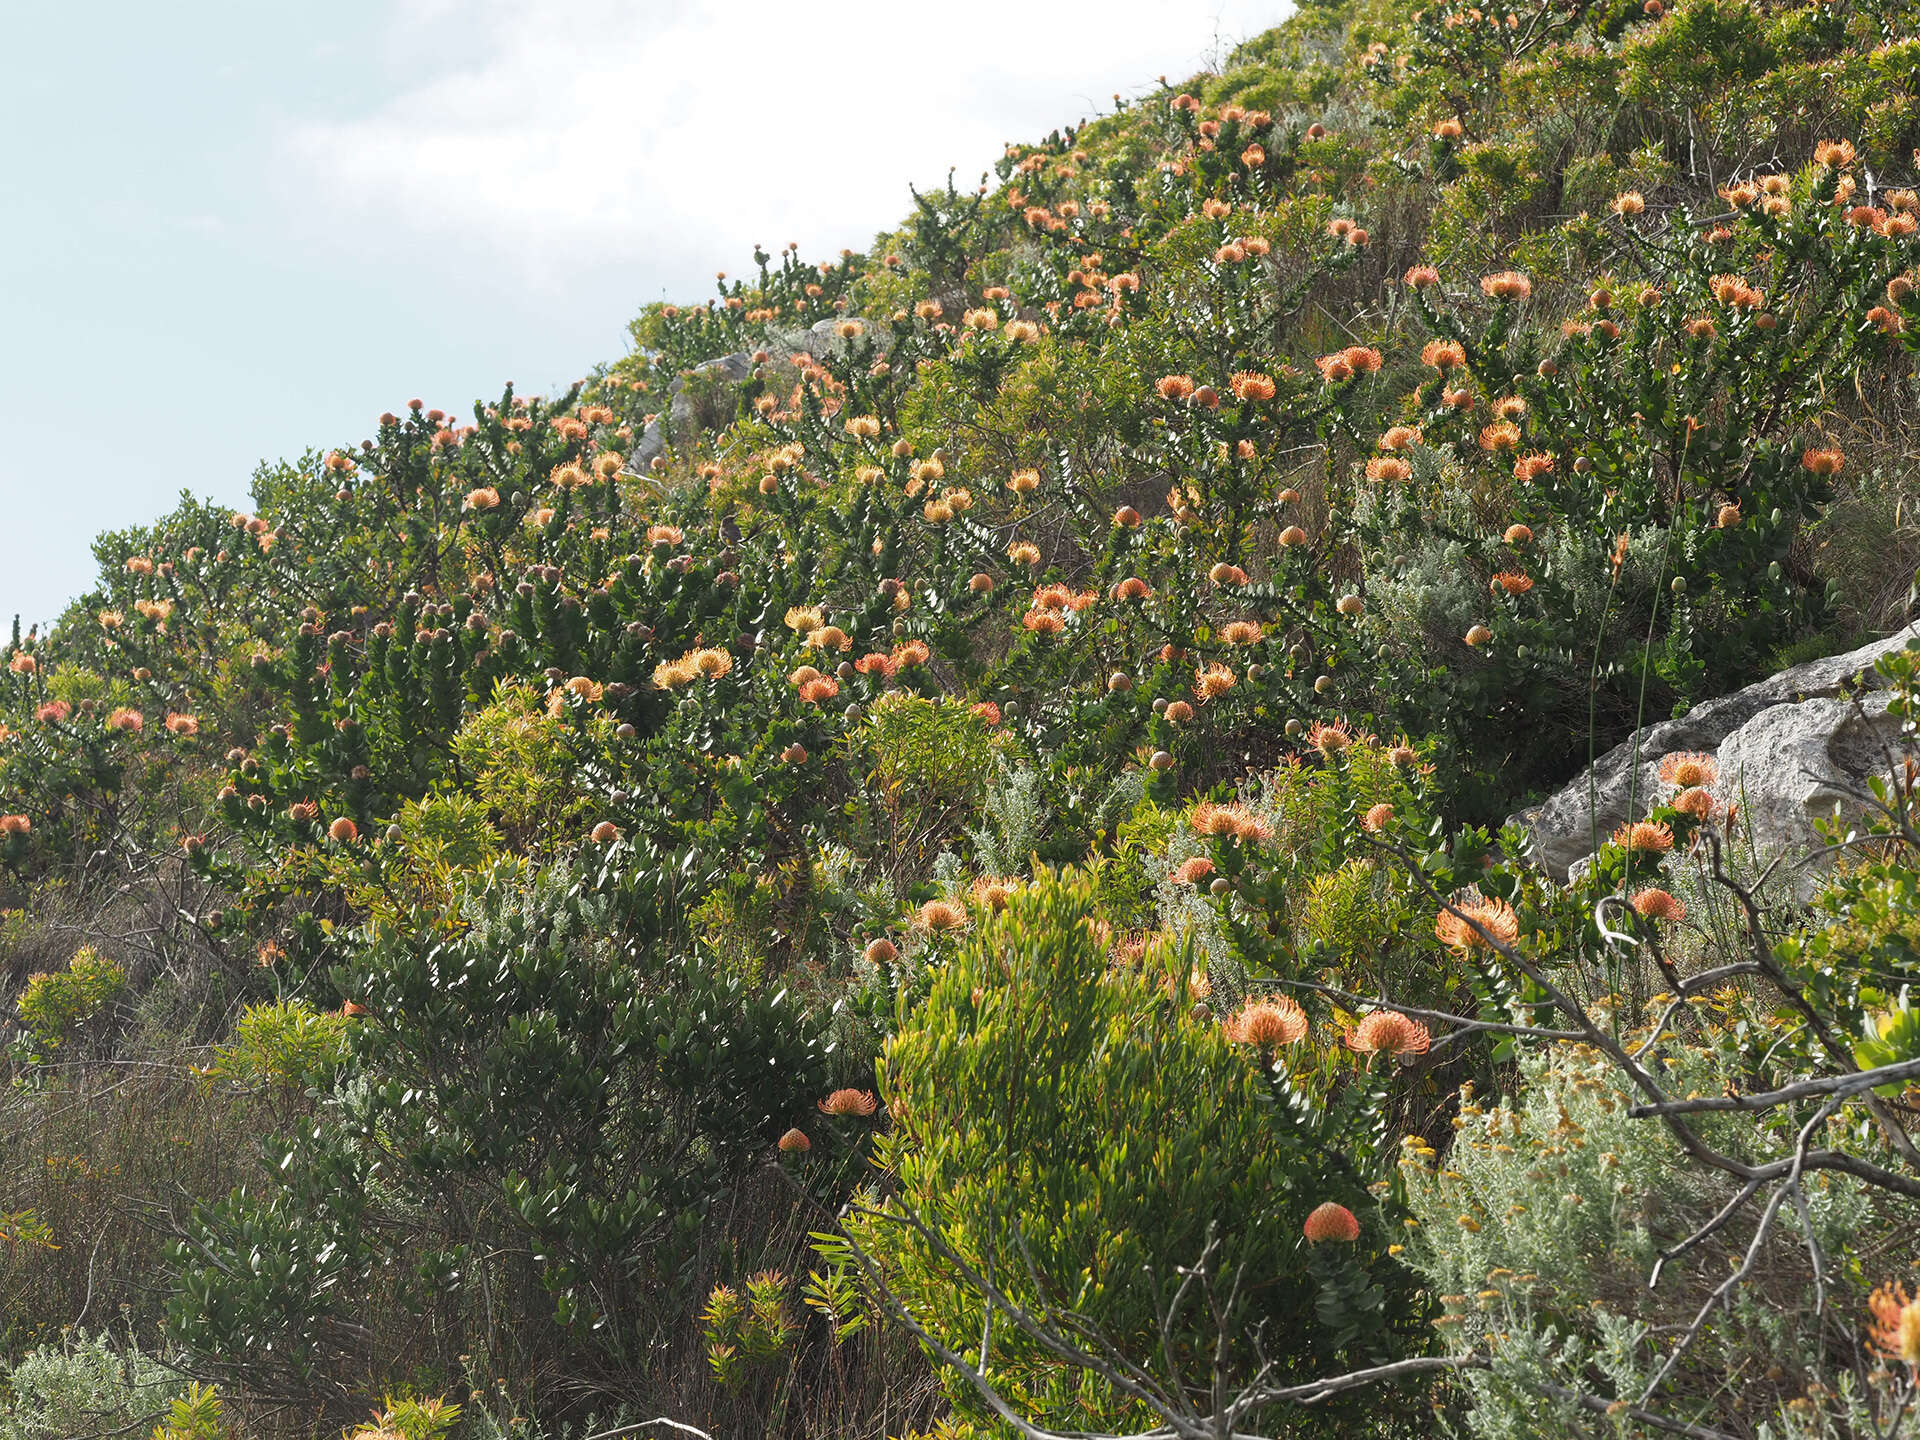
point(670, 136)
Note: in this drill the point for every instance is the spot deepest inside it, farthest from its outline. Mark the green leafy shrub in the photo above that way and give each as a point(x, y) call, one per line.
point(1070, 1135)
point(54, 1005)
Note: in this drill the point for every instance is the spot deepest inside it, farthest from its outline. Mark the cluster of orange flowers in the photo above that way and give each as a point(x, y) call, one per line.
point(1270, 1022)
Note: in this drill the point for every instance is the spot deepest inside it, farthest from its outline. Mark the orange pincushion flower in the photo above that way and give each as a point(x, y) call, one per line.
point(1688, 768)
point(1132, 588)
point(795, 1142)
point(1501, 435)
point(1291, 536)
point(1834, 154)
point(13, 826)
point(815, 691)
point(1824, 463)
point(1390, 469)
point(1252, 385)
point(1043, 622)
point(1377, 818)
point(874, 663)
point(343, 831)
point(1225, 574)
point(1363, 359)
point(1179, 712)
point(1507, 285)
point(1267, 1023)
point(178, 724)
point(1388, 1032)
point(1895, 1332)
point(1211, 819)
point(126, 720)
point(1192, 872)
point(1422, 277)
point(1399, 437)
point(1658, 904)
point(1493, 916)
point(1477, 635)
point(849, 1102)
point(991, 892)
point(1443, 355)
point(1214, 681)
point(1174, 387)
point(1645, 837)
point(1240, 632)
point(1334, 368)
point(1331, 1222)
point(605, 833)
point(1513, 582)
point(1329, 739)
point(1529, 468)
point(1518, 535)
point(942, 915)
point(1697, 802)
point(828, 637)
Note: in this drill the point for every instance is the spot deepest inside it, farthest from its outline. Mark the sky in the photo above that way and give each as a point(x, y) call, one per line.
point(233, 231)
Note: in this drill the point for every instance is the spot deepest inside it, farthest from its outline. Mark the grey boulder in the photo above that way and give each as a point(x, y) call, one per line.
point(1789, 749)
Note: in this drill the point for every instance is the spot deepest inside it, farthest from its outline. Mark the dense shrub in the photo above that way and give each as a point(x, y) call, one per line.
point(1076, 653)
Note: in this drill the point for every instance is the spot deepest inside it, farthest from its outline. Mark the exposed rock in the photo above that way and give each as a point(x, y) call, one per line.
point(1788, 749)
point(681, 420)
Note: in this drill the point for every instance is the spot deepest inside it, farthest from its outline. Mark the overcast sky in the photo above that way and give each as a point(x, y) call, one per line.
point(235, 230)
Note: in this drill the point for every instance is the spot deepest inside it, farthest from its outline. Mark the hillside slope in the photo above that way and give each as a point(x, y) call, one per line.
point(489, 905)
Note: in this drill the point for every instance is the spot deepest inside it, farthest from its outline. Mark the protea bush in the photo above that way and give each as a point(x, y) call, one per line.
point(923, 852)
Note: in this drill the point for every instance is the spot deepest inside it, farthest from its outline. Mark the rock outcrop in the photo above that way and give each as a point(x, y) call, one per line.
point(681, 422)
point(1789, 749)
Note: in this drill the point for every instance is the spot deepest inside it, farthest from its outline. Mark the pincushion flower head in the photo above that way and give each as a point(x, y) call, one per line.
point(1267, 1023)
point(1212, 682)
point(1234, 820)
point(1688, 768)
point(1388, 1032)
point(939, 915)
point(1658, 904)
point(1329, 738)
point(849, 1102)
point(1478, 918)
point(1895, 1331)
point(1507, 285)
point(1193, 871)
point(1645, 837)
point(795, 1142)
point(1331, 1222)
